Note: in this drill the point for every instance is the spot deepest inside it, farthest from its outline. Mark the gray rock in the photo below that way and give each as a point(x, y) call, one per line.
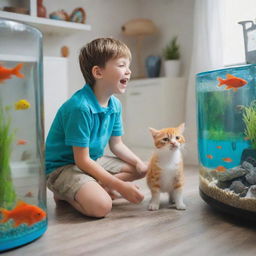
point(247, 166)
point(251, 178)
point(238, 187)
point(229, 174)
point(251, 192)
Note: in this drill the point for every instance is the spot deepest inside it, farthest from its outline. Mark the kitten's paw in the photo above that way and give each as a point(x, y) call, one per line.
point(181, 206)
point(153, 207)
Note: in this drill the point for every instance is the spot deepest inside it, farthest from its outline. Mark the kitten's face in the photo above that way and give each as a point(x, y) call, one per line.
point(169, 138)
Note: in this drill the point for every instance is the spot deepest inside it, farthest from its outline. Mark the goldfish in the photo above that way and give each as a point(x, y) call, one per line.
point(209, 156)
point(227, 159)
point(232, 82)
point(22, 104)
point(6, 73)
point(220, 169)
point(22, 142)
point(23, 213)
point(219, 147)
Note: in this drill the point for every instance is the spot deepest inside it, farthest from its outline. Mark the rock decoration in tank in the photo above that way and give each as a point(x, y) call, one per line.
point(239, 180)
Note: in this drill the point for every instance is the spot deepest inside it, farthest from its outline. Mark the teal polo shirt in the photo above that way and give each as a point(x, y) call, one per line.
point(82, 122)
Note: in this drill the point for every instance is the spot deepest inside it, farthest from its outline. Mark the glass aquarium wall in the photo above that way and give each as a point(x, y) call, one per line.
point(226, 118)
point(22, 182)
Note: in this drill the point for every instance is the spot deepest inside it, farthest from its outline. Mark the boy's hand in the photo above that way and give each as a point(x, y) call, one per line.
point(131, 192)
point(142, 168)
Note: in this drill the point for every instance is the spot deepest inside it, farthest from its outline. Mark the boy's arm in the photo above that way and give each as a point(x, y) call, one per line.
point(119, 149)
point(88, 165)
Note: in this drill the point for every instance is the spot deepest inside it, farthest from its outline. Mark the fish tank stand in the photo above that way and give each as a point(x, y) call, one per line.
point(232, 211)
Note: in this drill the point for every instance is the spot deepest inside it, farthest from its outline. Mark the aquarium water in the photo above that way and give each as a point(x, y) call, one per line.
point(226, 121)
point(23, 215)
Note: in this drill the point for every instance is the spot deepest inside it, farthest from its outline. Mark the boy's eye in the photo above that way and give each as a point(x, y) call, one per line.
point(165, 139)
point(177, 137)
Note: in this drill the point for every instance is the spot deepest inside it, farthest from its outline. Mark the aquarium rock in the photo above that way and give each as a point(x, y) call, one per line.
point(248, 166)
point(251, 192)
point(251, 160)
point(251, 178)
point(238, 187)
point(229, 174)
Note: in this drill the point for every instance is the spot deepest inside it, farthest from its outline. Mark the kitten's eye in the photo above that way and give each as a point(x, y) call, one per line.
point(165, 139)
point(177, 137)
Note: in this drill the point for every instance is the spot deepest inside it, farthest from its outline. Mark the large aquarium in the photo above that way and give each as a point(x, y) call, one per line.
point(226, 118)
point(23, 215)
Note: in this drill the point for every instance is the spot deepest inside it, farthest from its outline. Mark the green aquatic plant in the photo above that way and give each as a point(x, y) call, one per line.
point(249, 118)
point(7, 191)
point(222, 135)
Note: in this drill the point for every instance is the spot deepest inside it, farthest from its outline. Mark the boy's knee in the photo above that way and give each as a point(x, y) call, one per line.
point(101, 208)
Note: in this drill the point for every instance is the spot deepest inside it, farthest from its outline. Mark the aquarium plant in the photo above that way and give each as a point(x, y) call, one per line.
point(7, 191)
point(249, 118)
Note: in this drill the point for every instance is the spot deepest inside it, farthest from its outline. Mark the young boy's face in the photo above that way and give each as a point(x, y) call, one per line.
point(116, 74)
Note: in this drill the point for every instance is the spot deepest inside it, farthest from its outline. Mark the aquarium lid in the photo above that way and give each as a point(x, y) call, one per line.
point(227, 68)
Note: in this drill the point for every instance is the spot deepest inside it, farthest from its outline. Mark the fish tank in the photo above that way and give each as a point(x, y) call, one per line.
point(23, 216)
point(226, 124)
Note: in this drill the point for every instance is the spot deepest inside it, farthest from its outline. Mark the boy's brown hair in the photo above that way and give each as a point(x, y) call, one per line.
point(98, 52)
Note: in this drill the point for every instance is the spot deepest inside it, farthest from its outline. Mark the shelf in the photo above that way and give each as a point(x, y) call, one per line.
point(17, 58)
point(45, 25)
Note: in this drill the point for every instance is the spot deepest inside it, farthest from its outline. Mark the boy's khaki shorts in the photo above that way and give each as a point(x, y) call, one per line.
point(67, 180)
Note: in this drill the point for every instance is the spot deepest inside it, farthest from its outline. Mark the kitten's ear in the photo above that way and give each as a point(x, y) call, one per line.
point(153, 131)
point(181, 127)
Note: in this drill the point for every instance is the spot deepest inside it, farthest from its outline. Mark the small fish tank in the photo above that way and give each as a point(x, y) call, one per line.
point(226, 122)
point(23, 216)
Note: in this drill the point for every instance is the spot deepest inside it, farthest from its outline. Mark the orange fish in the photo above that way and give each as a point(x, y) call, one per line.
point(23, 213)
point(209, 156)
point(22, 142)
point(227, 159)
point(220, 169)
point(219, 147)
point(6, 73)
point(232, 82)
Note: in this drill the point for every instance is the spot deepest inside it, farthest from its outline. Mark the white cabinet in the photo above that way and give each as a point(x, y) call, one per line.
point(157, 103)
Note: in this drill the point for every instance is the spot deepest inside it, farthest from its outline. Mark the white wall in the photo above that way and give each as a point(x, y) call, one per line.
point(172, 17)
point(106, 19)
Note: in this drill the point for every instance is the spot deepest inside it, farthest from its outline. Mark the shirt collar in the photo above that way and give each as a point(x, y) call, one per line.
point(94, 104)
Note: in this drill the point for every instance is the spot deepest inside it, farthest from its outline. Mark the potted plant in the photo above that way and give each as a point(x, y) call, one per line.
point(171, 55)
point(249, 118)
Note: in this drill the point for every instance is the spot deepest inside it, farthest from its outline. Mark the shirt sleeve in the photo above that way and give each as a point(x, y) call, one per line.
point(77, 128)
point(118, 124)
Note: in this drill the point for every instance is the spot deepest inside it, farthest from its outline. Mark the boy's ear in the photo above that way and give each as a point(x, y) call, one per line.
point(97, 72)
point(153, 131)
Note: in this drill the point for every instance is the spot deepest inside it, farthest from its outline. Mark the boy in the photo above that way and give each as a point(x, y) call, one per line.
point(76, 169)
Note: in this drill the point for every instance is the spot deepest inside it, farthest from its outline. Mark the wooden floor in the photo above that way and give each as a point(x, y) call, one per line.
point(132, 230)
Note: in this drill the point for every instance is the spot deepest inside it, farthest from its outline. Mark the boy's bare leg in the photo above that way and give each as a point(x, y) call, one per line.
point(91, 200)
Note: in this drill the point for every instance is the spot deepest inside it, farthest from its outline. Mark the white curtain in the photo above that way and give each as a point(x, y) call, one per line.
point(206, 55)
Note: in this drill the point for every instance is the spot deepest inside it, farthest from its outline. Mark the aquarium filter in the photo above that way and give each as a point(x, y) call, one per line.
point(249, 32)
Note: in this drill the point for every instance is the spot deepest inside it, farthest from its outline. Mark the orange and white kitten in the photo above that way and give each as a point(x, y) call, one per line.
point(165, 173)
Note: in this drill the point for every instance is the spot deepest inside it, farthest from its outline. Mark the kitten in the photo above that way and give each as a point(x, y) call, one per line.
point(165, 173)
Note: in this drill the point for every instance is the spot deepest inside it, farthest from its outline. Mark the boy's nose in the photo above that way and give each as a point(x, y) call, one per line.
point(128, 71)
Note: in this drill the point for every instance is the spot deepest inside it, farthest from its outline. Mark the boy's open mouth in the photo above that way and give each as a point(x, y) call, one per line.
point(124, 81)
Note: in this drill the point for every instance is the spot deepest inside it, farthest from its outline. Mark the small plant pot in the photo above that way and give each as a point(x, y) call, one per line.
point(172, 68)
